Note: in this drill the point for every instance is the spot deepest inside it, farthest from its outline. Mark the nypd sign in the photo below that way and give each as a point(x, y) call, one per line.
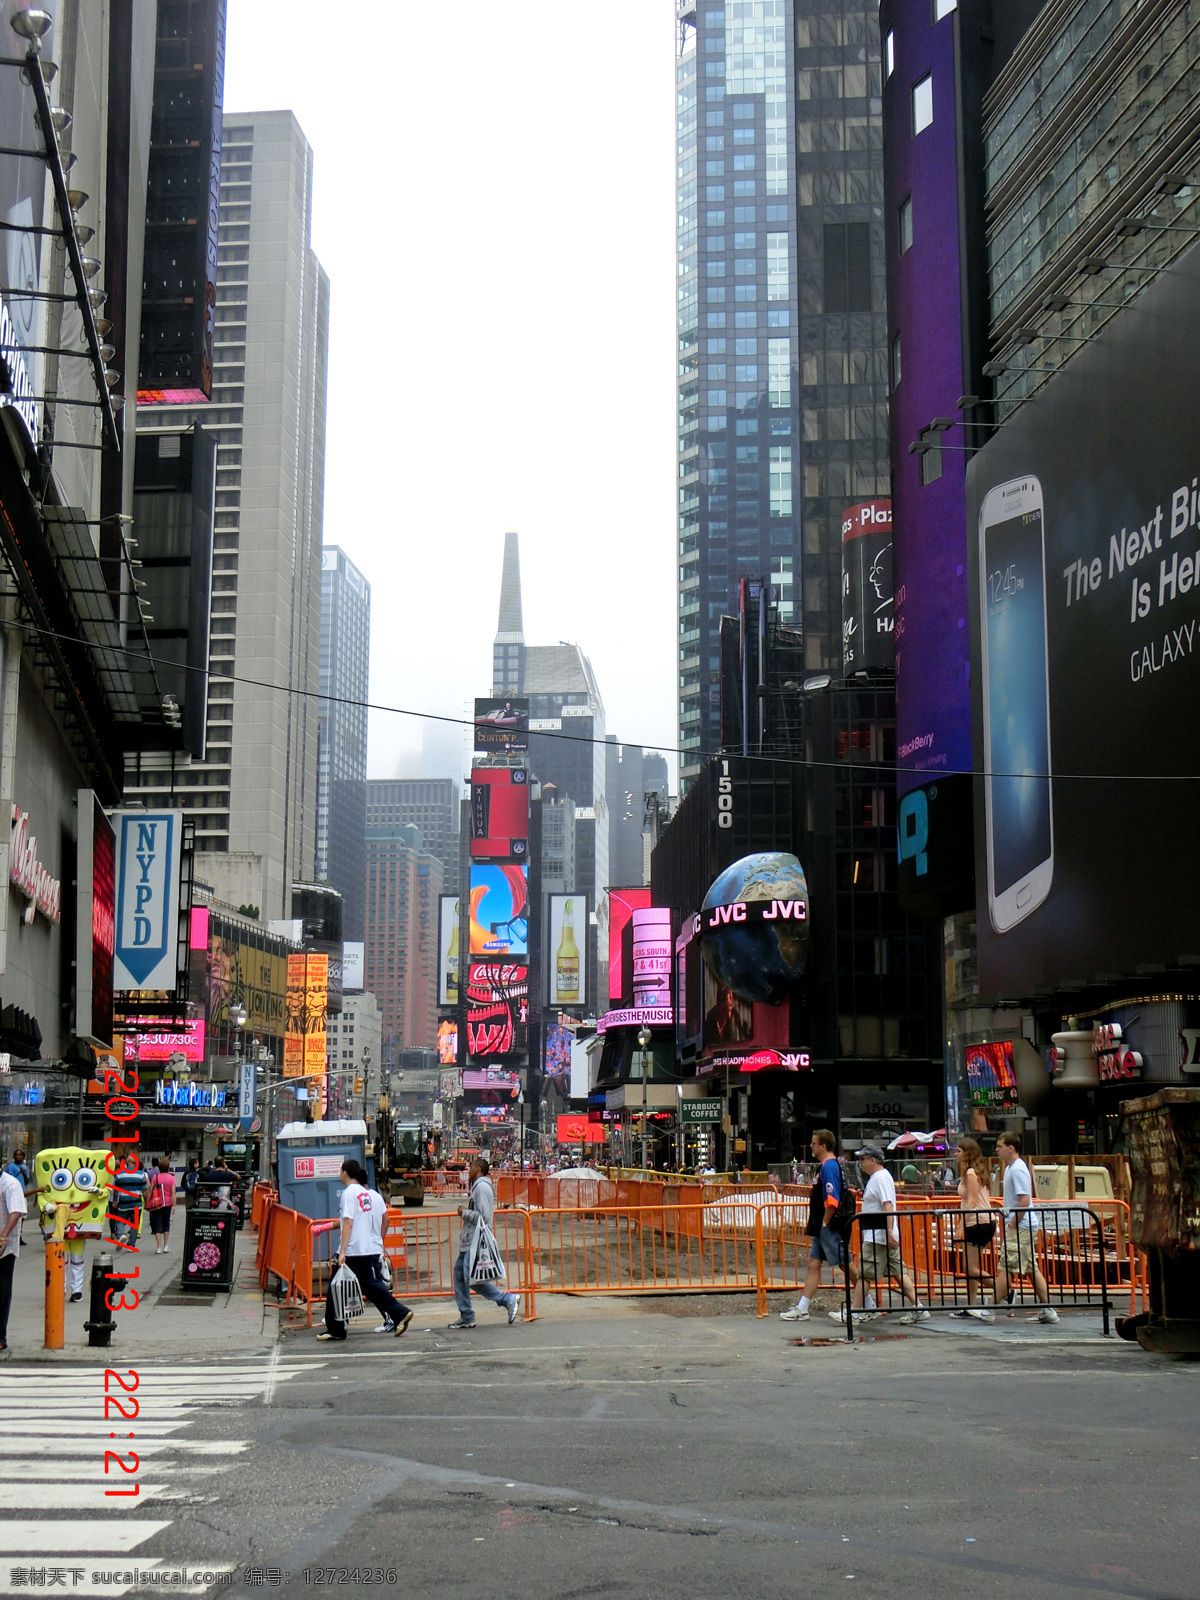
point(148, 872)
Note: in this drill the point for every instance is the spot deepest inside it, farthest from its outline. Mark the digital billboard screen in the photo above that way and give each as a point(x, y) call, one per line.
point(567, 948)
point(447, 1043)
point(1084, 556)
point(991, 1073)
point(502, 725)
point(556, 1058)
point(497, 1008)
point(499, 814)
point(499, 911)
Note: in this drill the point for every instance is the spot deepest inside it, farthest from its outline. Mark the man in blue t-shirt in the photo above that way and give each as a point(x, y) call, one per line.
point(825, 1245)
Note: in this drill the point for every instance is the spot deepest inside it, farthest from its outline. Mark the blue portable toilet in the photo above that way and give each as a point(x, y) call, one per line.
point(310, 1156)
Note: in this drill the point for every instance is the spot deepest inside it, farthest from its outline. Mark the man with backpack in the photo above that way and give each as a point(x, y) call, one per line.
point(830, 1219)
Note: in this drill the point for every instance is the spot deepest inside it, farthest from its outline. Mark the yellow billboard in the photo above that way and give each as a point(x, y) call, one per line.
point(307, 1007)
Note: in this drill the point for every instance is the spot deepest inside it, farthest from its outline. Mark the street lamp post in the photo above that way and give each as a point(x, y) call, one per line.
point(644, 1037)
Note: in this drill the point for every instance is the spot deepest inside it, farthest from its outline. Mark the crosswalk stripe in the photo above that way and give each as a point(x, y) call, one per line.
point(25, 1536)
point(53, 1422)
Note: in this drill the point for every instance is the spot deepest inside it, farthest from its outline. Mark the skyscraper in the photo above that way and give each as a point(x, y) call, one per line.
point(342, 733)
point(254, 797)
point(430, 804)
point(403, 885)
point(780, 252)
point(566, 723)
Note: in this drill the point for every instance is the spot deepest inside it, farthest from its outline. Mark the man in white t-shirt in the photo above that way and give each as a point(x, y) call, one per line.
point(1018, 1257)
point(881, 1261)
point(12, 1215)
point(359, 1249)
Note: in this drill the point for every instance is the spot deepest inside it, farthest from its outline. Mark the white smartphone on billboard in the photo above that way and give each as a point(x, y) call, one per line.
point(1016, 702)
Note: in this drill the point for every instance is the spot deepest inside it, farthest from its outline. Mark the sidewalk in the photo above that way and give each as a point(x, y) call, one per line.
point(166, 1322)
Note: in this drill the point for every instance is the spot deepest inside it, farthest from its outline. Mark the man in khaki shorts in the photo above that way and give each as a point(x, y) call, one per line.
point(881, 1263)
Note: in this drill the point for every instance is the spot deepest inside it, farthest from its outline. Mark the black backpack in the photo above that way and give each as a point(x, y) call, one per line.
point(843, 1217)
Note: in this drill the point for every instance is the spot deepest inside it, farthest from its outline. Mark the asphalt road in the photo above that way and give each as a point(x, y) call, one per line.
point(624, 1449)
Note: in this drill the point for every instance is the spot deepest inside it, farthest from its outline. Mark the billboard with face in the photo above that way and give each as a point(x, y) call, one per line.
point(502, 725)
point(1084, 544)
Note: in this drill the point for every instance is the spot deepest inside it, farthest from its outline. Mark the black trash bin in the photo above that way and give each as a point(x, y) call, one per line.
point(209, 1236)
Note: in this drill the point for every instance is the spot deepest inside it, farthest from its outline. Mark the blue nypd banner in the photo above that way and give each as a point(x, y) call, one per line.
point(148, 871)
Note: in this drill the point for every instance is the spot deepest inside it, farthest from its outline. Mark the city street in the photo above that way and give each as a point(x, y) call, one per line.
point(679, 1448)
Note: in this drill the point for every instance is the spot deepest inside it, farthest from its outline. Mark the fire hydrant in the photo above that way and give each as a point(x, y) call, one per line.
point(100, 1323)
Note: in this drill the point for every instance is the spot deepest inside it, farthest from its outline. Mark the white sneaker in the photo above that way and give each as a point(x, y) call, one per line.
point(920, 1314)
point(514, 1309)
point(386, 1326)
point(859, 1316)
point(980, 1314)
point(794, 1314)
point(1047, 1314)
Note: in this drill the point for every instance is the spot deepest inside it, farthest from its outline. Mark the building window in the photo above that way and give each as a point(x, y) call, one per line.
point(779, 371)
point(922, 104)
point(781, 480)
point(906, 224)
point(896, 362)
point(889, 55)
point(943, 8)
point(847, 267)
point(778, 276)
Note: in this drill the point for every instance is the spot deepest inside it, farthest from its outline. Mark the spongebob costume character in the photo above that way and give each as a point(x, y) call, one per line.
point(72, 1194)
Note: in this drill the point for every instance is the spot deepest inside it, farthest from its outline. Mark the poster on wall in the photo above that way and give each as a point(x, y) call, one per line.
point(499, 911)
point(449, 920)
point(149, 848)
point(868, 593)
point(1084, 561)
point(566, 968)
point(556, 1058)
point(304, 1041)
point(447, 1043)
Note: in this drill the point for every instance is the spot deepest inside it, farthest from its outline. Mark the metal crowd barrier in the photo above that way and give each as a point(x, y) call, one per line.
point(747, 1243)
point(1069, 1251)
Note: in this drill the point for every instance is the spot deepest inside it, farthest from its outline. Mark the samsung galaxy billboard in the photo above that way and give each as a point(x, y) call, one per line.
point(1083, 520)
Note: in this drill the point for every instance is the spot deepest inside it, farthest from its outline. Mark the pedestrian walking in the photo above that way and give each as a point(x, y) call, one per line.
point(881, 1261)
point(126, 1201)
point(830, 1197)
point(12, 1215)
point(978, 1225)
point(160, 1202)
point(358, 1250)
point(1021, 1224)
point(476, 1233)
point(190, 1179)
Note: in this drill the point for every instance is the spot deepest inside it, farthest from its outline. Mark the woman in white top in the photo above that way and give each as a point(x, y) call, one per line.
point(975, 1205)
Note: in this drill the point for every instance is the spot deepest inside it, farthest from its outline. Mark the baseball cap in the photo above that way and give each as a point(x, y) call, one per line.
point(872, 1150)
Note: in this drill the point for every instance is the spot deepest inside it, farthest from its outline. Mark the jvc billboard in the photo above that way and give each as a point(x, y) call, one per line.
point(1084, 546)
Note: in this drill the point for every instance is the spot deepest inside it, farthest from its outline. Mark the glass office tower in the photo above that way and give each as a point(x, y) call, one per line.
point(781, 326)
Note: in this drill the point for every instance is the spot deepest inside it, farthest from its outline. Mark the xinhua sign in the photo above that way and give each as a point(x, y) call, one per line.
point(702, 1110)
point(147, 933)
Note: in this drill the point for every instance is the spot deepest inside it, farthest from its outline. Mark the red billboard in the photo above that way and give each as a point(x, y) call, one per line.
point(576, 1129)
point(622, 903)
point(497, 1008)
point(499, 814)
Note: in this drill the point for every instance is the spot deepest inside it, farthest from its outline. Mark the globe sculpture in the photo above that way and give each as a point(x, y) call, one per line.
point(763, 955)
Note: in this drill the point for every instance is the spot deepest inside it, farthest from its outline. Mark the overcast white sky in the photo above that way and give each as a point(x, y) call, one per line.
point(494, 204)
